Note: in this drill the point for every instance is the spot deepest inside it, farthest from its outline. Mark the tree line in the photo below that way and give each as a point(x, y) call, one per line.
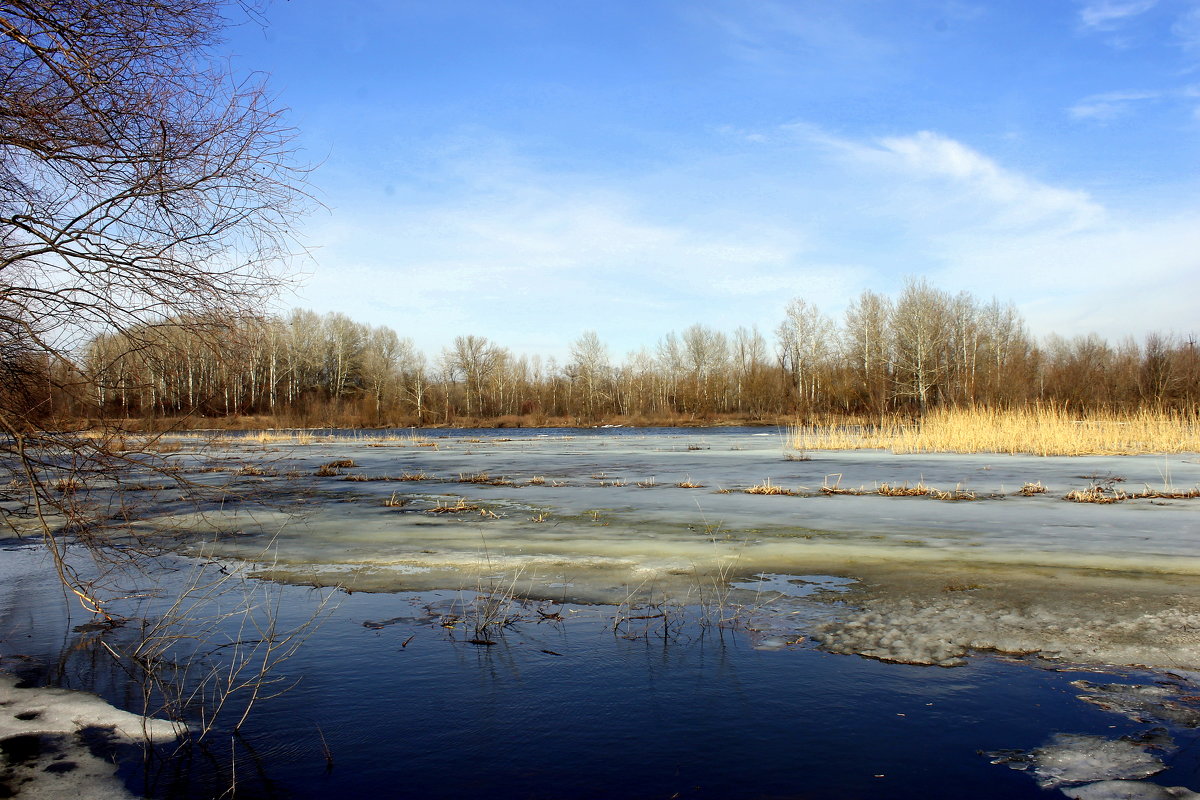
point(925, 347)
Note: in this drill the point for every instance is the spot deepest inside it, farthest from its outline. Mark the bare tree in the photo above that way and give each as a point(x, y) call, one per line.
point(590, 368)
point(867, 347)
point(921, 331)
point(806, 339)
point(140, 181)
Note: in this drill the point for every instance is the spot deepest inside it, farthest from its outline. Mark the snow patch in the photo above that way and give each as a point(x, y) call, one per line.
point(45, 755)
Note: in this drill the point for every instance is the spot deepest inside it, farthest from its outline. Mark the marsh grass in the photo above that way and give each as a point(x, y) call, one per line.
point(257, 471)
point(766, 487)
point(1105, 492)
point(1096, 493)
point(1038, 430)
point(334, 467)
point(902, 490)
point(688, 483)
point(836, 486)
point(1031, 489)
point(459, 507)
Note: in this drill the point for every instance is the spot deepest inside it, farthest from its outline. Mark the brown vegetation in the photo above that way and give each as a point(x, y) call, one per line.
point(1039, 430)
point(889, 359)
point(766, 487)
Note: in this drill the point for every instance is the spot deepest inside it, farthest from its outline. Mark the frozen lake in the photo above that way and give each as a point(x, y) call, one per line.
point(676, 636)
point(598, 517)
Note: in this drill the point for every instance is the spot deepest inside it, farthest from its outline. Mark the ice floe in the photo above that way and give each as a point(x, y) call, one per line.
point(1070, 758)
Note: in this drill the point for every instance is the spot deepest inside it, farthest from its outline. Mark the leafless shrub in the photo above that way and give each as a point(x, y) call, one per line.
point(216, 647)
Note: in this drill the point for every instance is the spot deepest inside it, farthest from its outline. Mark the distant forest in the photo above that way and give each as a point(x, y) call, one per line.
point(888, 355)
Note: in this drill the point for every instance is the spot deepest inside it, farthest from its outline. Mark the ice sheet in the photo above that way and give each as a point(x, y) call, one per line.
point(592, 518)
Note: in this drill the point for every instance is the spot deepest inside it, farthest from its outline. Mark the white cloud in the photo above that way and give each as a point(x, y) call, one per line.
point(1107, 14)
point(972, 189)
point(1109, 105)
point(530, 258)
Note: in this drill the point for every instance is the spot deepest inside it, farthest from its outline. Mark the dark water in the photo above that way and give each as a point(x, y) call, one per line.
point(410, 709)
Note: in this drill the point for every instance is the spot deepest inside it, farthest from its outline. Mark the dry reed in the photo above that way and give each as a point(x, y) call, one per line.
point(458, 508)
point(1037, 430)
point(766, 487)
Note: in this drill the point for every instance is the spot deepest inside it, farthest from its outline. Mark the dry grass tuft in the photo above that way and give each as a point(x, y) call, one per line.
point(954, 495)
point(251, 469)
point(1096, 493)
point(688, 483)
point(537, 480)
point(766, 487)
point(413, 476)
point(903, 490)
point(1168, 494)
point(836, 486)
point(462, 506)
point(1030, 489)
point(395, 501)
point(648, 483)
point(1037, 430)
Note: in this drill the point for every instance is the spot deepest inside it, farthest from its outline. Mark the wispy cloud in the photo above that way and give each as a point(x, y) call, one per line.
point(1108, 14)
point(974, 189)
point(1187, 29)
point(780, 212)
point(1109, 105)
point(778, 35)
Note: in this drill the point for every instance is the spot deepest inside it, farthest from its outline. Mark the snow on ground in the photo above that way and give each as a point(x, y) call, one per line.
point(44, 737)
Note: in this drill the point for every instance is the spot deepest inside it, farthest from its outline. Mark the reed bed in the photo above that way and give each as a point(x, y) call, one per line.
point(1037, 430)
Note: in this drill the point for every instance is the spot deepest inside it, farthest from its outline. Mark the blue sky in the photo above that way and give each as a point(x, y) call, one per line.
point(529, 170)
